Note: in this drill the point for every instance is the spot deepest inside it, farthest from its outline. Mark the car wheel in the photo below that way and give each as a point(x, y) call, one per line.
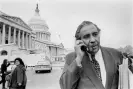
point(49, 71)
point(36, 71)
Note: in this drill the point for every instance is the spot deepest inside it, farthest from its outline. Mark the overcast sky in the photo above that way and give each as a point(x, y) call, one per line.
point(114, 17)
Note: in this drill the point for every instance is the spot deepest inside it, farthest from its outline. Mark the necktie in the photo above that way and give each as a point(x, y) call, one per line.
point(96, 66)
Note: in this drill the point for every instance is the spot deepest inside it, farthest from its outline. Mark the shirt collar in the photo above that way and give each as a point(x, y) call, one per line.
point(97, 55)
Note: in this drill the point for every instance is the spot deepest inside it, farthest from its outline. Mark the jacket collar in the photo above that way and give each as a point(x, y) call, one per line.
point(90, 71)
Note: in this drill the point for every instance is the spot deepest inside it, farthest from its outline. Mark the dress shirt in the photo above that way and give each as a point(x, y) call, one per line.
point(99, 58)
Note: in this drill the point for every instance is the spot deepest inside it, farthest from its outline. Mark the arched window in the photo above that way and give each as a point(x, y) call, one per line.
point(3, 52)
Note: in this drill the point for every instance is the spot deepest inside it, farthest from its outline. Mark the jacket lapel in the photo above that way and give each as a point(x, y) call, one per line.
point(90, 72)
point(109, 66)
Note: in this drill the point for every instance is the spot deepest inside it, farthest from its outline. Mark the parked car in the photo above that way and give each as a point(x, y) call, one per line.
point(44, 65)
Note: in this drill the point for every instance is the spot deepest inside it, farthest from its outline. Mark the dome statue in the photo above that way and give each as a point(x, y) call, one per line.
point(37, 23)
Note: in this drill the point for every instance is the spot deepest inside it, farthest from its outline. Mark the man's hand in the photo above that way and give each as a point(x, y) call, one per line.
point(78, 51)
point(5, 72)
point(19, 84)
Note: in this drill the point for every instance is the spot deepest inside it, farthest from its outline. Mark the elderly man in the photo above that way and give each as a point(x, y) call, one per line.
point(91, 66)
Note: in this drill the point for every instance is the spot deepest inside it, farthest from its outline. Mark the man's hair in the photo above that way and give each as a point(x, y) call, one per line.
point(84, 23)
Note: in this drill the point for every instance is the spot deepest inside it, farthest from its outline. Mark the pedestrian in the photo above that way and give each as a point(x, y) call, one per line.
point(18, 78)
point(91, 66)
point(4, 66)
point(8, 77)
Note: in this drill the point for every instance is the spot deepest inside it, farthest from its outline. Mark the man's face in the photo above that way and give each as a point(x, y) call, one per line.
point(91, 37)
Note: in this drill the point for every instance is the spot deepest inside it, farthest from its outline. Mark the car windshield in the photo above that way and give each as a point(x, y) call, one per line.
point(42, 62)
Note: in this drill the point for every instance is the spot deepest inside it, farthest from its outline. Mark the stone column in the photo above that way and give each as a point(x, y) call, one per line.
point(3, 34)
point(0, 36)
point(19, 38)
point(33, 43)
point(9, 35)
point(14, 39)
point(37, 35)
point(46, 37)
point(23, 41)
point(40, 35)
point(49, 37)
point(26, 40)
point(30, 41)
point(43, 37)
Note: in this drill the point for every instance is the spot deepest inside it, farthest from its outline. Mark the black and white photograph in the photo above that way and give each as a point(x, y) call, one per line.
point(66, 44)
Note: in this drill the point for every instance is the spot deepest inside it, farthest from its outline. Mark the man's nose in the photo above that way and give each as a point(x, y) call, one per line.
point(92, 39)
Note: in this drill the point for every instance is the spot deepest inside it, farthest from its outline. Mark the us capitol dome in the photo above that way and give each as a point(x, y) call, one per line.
point(43, 36)
point(39, 26)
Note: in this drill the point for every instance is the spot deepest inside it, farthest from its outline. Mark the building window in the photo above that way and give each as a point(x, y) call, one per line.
point(3, 52)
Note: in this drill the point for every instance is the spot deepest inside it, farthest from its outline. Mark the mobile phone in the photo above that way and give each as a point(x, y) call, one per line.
point(84, 48)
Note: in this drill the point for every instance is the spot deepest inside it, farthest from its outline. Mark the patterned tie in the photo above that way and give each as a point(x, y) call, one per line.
point(96, 66)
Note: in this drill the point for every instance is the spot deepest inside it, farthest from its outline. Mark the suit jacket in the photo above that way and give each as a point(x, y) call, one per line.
point(74, 77)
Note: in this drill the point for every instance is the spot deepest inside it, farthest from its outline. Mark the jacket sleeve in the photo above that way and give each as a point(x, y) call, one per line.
point(70, 76)
point(19, 75)
point(8, 65)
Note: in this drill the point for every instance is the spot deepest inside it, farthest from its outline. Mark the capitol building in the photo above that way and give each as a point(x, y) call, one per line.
point(17, 37)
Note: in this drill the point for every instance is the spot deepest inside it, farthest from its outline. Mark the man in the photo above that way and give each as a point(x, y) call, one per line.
point(95, 68)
